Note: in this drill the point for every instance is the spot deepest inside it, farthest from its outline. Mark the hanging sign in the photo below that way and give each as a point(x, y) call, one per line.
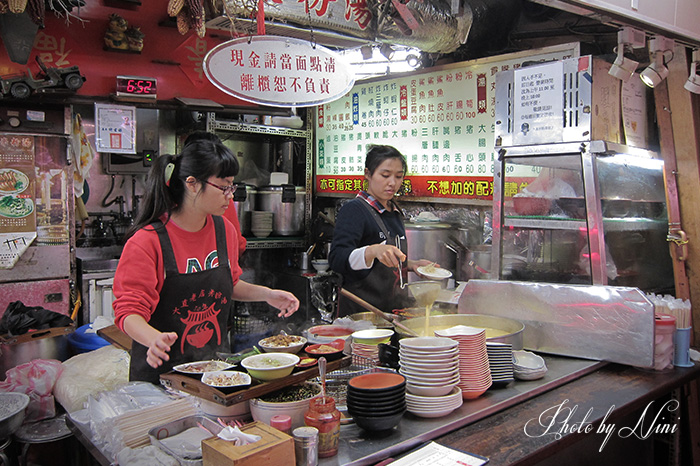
point(278, 71)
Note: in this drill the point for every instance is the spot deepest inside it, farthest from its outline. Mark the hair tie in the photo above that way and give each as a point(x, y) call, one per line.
point(169, 169)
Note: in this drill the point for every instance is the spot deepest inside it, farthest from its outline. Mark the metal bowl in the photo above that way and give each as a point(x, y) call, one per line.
point(12, 406)
point(514, 328)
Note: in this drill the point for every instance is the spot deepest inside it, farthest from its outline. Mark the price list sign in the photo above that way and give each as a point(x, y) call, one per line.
point(441, 119)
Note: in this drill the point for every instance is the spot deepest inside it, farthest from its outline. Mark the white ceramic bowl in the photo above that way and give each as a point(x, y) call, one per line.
point(270, 345)
point(226, 379)
point(372, 336)
point(270, 366)
point(427, 344)
point(437, 390)
point(321, 265)
point(263, 411)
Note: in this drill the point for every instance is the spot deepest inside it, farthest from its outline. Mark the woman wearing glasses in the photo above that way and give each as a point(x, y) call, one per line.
point(369, 241)
point(178, 274)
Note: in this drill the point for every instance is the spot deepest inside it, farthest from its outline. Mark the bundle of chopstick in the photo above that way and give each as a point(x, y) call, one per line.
point(134, 425)
point(678, 308)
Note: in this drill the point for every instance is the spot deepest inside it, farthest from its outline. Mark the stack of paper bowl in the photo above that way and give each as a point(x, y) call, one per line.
point(474, 371)
point(261, 223)
point(376, 401)
point(365, 344)
point(500, 362)
point(434, 406)
point(430, 365)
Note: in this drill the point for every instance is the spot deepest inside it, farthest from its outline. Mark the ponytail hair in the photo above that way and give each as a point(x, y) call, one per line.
point(165, 184)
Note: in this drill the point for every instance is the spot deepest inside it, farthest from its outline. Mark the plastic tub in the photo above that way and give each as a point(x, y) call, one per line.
point(83, 342)
point(185, 454)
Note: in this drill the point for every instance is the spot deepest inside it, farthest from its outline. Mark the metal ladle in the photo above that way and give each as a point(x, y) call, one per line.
point(322, 375)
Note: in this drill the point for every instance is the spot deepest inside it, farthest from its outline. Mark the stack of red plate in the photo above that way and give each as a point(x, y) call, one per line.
point(474, 371)
point(377, 401)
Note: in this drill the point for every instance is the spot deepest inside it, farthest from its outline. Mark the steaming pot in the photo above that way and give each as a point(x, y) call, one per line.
point(286, 202)
point(244, 202)
point(430, 240)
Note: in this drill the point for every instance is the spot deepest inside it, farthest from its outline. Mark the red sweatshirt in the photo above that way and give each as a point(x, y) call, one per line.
point(139, 276)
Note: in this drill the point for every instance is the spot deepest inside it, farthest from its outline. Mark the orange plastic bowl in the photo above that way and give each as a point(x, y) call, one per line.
point(377, 381)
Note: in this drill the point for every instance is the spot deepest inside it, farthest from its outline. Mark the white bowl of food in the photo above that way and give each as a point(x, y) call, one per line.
point(282, 344)
point(270, 366)
point(226, 379)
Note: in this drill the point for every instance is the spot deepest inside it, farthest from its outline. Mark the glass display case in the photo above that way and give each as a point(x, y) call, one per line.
point(581, 213)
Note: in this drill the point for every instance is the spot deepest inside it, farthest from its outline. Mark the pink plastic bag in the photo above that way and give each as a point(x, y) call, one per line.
point(36, 379)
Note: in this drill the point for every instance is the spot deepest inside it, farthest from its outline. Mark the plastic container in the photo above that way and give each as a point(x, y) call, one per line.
point(665, 328)
point(83, 342)
point(324, 416)
point(187, 451)
point(282, 422)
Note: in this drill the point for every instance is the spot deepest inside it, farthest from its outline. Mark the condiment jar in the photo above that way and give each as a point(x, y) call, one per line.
point(665, 327)
point(306, 446)
point(324, 416)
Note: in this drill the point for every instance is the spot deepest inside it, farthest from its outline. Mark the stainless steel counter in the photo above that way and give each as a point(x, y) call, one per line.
point(358, 447)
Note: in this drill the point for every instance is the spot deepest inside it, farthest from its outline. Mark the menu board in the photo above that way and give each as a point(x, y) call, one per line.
point(441, 119)
point(17, 208)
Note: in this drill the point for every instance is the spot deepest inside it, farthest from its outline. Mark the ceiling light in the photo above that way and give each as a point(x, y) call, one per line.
point(623, 67)
point(660, 49)
point(627, 38)
point(693, 82)
point(412, 60)
point(387, 50)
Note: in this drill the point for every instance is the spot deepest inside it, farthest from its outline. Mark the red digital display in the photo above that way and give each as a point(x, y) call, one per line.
point(136, 86)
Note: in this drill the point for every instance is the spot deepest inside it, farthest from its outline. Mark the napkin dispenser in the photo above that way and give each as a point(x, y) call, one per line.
point(274, 448)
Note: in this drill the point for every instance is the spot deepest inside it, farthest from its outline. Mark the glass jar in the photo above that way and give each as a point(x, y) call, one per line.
point(324, 416)
point(665, 327)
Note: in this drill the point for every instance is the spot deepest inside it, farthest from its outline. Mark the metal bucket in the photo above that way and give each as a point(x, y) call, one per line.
point(513, 328)
point(42, 344)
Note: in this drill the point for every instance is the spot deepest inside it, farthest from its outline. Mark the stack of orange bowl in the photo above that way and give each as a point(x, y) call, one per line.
point(364, 344)
point(474, 370)
point(376, 401)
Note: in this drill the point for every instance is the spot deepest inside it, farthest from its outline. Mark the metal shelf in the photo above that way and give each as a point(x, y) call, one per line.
point(275, 243)
point(223, 125)
point(609, 224)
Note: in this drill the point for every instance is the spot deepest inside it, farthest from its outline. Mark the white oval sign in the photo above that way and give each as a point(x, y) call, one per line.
point(279, 71)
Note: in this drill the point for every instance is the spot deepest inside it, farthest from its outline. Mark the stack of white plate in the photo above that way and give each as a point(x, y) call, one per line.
point(500, 362)
point(474, 371)
point(434, 406)
point(261, 223)
point(430, 365)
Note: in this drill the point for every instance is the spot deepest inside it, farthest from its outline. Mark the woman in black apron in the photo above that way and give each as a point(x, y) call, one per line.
point(178, 274)
point(369, 240)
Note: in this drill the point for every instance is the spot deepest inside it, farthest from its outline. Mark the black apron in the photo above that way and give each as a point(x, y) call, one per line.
point(195, 305)
point(382, 287)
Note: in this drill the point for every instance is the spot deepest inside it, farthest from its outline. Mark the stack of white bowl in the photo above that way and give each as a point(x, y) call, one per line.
point(474, 371)
point(528, 365)
point(500, 362)
point(431, 368)
point(261, 223)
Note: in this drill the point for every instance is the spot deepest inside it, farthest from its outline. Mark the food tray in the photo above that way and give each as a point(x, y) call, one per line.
point(229, 396)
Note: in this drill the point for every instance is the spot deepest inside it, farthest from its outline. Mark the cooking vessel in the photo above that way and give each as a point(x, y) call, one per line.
point(244, 202)
point(286, 202)
point(41, 344)
point(12, 406)
point(514, 328)
point(431, 241)
point(376, 320)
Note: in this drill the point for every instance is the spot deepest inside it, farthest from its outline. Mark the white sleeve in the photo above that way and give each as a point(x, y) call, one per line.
point(357, 259)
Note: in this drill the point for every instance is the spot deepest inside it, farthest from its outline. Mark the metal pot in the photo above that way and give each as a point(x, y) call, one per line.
point(42, 344)
point(286, 202)
point(244, 202)
point(514, 328)
point(430, 240)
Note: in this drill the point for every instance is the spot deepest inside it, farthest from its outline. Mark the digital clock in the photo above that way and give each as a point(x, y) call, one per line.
point(136, 86)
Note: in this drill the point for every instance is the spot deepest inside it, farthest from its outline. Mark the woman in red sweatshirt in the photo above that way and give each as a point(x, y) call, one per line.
point(178, 274)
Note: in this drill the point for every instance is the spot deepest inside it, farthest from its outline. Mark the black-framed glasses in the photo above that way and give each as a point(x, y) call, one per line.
point(225, 189)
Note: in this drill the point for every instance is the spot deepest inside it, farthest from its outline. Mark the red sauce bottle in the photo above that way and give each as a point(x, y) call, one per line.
point(324, 416)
